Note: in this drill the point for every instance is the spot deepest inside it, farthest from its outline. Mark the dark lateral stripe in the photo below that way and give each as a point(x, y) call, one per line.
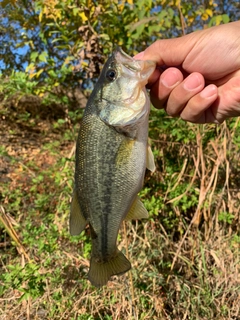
point(106, 210)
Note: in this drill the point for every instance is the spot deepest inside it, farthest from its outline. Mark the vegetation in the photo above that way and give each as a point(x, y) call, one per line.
point(185, 258)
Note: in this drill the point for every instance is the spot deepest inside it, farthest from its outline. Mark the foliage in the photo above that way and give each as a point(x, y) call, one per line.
point(27, 280)
point(65, 42)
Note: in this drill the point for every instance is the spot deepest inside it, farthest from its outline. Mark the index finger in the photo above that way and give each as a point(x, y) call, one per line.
point(168, 52)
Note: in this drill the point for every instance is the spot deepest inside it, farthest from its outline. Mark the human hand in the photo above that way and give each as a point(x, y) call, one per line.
point(201, 80)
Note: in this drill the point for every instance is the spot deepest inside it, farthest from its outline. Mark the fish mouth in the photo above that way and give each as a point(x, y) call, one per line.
point(127, 60)
point(134, 68)
point(131, 105)
point(141, 68)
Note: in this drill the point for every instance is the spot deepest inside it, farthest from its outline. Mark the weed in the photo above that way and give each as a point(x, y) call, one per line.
point(226, 217)
point(185, 258)
point(27, 280)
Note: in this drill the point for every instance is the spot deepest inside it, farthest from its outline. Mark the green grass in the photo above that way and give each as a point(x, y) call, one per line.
point(185, 258)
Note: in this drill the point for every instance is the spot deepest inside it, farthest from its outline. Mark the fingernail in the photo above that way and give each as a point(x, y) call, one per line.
point(139, 56)
point(192, 82)
point(169, 79)
point(209, 91)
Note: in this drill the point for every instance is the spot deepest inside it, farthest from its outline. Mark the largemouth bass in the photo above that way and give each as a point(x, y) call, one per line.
point(112, 154)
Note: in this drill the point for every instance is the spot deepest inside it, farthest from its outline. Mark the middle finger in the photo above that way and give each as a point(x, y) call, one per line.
point(183, 92)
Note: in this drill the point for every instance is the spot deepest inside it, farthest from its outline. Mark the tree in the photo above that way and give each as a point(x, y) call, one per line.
point(66, 41)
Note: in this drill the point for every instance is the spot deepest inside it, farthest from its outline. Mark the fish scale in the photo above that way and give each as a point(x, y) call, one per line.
point(111, 158)
point(107, 188)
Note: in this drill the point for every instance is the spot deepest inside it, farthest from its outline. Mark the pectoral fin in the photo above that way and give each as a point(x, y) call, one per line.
point(77, 220)
point(137, 211)
point(150, 160)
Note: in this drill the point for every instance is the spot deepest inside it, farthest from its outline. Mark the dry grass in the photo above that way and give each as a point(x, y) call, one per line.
point(185, 258)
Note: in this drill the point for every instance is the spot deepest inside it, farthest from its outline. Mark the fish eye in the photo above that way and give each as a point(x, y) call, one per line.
point(111, 74)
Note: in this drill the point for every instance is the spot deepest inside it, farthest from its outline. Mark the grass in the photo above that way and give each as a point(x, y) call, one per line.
point(185, 258)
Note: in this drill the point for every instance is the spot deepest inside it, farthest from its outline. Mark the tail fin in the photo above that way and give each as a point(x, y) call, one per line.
point(100, 273)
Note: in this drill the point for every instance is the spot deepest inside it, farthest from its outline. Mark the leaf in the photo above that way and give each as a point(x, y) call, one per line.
point(40, 16)
point(32, 75)
point(104, 36)
point(55, 40)
point(66, 39)
point(25, 296)
point(39, 72)
point(75, 11)
point(140, 29)
point(204, 16)
point(43, 56)
point(162, 15)
point(30, 67)
point(209, 12)
point(154, 28)
point(218, 20)
point(68, 59)
point(141, 23)
point(83, 16)
point(40, 94)
point(33, 56)
point(52, 73)
point(225, 18)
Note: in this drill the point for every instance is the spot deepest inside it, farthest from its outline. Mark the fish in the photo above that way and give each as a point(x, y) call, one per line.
point(112, 154)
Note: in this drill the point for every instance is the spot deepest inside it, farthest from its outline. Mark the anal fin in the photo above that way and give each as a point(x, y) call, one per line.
point(77, 220)
point(137, 211)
